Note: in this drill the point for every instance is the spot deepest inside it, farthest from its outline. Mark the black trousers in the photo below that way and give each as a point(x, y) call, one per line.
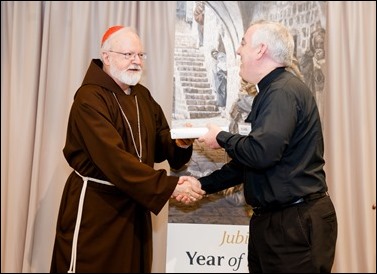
point(296, 239)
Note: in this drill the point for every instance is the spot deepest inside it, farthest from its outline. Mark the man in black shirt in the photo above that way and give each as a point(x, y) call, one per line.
point(280, 162)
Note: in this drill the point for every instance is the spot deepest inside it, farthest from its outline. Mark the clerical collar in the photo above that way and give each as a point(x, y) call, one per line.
point(266, 81)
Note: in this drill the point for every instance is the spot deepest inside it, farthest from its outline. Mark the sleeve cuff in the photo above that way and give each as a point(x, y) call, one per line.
point(223, 137)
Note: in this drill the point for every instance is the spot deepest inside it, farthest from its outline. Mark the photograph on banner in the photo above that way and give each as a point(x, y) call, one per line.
point(208, 89)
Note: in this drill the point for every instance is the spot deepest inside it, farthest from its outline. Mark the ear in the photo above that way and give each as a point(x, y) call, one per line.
point(105, 58)
point(262, 50)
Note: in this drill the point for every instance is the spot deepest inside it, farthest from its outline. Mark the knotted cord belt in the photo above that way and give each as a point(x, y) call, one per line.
point(72, 267)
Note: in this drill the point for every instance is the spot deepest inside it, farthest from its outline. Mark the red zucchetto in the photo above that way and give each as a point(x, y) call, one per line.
point(110, 31)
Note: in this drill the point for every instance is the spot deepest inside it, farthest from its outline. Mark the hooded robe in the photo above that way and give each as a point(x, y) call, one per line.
point(115, 233)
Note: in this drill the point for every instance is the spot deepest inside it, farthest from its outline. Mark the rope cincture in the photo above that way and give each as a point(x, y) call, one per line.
point(72, 267)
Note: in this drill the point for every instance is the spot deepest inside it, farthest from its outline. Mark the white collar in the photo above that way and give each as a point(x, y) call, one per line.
point(256, 86)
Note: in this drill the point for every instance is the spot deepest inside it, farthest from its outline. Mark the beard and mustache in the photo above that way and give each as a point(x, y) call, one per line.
point(130, 77)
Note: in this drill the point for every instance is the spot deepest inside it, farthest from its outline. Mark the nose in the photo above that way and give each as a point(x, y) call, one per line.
point(136, 59)
point(238, 51)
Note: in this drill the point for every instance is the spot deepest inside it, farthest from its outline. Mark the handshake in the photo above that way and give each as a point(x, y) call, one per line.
point(188, 190)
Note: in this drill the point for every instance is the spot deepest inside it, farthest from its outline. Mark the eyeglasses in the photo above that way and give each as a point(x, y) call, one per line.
point(132, 55)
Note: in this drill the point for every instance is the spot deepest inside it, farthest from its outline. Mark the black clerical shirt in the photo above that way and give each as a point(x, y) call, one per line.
point(281, 159)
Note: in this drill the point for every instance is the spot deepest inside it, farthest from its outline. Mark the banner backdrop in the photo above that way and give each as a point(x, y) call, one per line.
point(208, 89)
point(207, 248)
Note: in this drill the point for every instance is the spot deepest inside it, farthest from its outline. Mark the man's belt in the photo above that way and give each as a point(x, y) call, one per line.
point(311, 197)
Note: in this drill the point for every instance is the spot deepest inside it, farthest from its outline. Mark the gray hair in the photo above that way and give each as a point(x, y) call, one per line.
point(107, 45)
point(279, 41)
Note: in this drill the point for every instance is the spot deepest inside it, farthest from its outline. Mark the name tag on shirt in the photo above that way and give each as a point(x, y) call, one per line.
point(244, 128)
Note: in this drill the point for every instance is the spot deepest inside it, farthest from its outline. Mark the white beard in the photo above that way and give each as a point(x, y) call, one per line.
point(128, 78)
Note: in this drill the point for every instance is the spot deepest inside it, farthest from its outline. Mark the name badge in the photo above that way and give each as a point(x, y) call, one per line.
point(244, 128)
